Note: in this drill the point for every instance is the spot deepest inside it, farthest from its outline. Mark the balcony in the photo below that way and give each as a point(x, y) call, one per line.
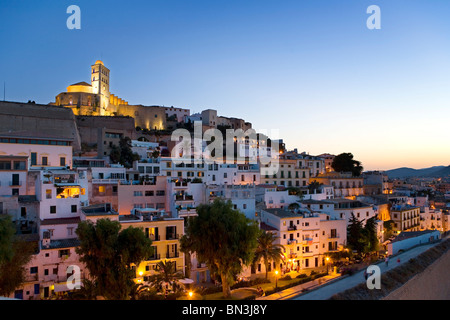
point(170, 255)
point(15, 183)
point(292, 228)
point(172, 236)
point(154, 237)
point(292, 241)
point(154, 257)
point(32, 277)
point(333, 236)
point(108, 181)
point(184, 197)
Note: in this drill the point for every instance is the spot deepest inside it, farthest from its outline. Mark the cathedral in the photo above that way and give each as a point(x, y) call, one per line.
point(95, 99)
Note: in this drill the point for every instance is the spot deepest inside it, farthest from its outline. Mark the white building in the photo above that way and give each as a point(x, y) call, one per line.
point(241, 196)
point(305, 235)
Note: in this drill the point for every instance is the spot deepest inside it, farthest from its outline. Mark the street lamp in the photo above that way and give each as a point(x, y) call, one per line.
point(190, 294)
point(276, 279)
point(327, 259)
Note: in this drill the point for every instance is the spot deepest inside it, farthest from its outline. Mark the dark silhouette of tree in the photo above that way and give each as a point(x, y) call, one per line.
point(267, 250)
point(355, 237)
point(223, 238)
point(123, 154)
point(344, 163)
point(167, 273)
point(370, 235)
point(109, 253)
point(14, 256)
point(315, 185)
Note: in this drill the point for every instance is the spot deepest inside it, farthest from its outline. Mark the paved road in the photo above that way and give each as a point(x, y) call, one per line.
point(349, 282)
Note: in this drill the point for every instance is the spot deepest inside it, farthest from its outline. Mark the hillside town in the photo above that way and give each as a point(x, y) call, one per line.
point(90, 156)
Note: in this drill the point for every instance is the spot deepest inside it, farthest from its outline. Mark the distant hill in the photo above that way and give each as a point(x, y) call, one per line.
point(426, 172)
point(444, 172)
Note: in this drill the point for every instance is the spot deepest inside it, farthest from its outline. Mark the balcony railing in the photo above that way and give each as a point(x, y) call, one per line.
point(32, 277)
point(15, 183)
point(291, 241)
point(333, 236)
point(155, 257)
point(172, 236)
point(108, 181)
point(154, 237)
point(175, 254)
point(185, 197)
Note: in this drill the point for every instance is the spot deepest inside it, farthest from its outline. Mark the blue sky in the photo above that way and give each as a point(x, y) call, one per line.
point(310, 69)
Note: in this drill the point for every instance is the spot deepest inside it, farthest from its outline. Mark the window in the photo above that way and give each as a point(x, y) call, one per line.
point(149, 193)
point(33, 270)
point(101, 189)
point(23, 211)
point(63, 252)
point(160, 192)
point(19, 165)
point(73, 208)
point(52, 209)
point(137, 193)
point(62, 161)
point(45, 272)
point(48, 193)
point(33, 158)
point(44, 161)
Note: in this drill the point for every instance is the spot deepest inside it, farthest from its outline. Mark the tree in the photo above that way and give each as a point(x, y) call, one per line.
point(123, 154)
point(388, 227)
point(355, 238)
point(110, 253)
point(344, 163)
point(15, 254)
point(223, 238)
point(167, 273)
point(293, 206)
point(267, 250)
point(88, 291)
point(138, 290)
point(315, 185)
point(370, 235)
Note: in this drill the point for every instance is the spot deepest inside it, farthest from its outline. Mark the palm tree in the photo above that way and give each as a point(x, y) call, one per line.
point(88, 291)
point(267, 250)
point(137, 290)
point(166, 273)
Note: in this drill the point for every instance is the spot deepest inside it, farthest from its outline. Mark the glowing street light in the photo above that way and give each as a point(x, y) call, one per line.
point(276, 279)
point(190, 294)
point(327, 259)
